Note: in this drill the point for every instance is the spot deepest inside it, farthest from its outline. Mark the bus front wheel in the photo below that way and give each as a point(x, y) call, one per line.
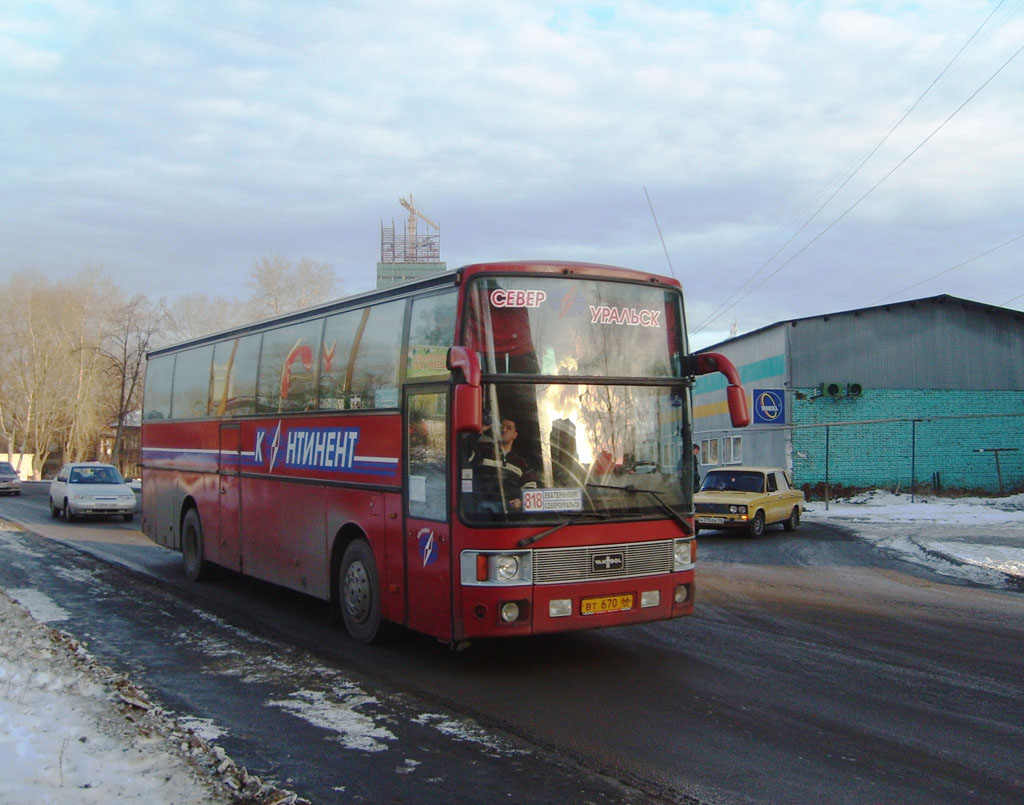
point(359, 592)
point(196, 568)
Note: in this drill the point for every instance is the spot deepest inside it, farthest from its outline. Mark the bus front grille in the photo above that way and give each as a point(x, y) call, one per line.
point(598, 562)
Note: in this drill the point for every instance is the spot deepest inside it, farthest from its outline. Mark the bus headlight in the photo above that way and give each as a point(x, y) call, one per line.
point(684, 553)
point(507, 568)
point(494, 568)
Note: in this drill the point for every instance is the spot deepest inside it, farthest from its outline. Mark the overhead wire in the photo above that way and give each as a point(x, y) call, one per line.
point(732, 300)
point(948, 270)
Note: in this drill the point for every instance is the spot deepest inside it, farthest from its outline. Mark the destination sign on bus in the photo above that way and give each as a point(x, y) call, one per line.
point(553, 500)
point(517, 298)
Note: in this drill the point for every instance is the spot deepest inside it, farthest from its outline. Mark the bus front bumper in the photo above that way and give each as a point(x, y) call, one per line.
point(532, 610)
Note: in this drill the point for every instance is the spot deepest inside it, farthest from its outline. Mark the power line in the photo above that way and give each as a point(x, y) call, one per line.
point(951, 268)
point(732, 301)
point(727, 304)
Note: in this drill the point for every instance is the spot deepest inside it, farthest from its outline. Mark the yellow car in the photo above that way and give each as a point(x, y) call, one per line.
point(749, 498)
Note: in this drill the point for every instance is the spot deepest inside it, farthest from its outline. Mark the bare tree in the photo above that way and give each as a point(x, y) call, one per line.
point(196, 314)
point(279, 286)
point(132, 328)
point(52, 389)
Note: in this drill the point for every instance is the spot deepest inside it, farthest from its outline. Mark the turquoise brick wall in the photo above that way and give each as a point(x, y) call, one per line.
point(883, 454)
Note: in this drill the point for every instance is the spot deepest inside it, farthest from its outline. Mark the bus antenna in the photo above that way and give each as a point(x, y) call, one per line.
point(672, 270)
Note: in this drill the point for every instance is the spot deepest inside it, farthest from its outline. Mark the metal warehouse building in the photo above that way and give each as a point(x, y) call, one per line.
point(919, 395)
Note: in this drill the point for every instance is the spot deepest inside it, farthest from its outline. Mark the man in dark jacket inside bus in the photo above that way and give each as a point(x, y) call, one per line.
point(499, 472)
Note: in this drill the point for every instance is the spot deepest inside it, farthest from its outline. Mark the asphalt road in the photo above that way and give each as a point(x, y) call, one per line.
point(817, 668)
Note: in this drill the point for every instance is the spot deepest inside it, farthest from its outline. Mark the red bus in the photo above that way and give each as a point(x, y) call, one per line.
point(502, 449)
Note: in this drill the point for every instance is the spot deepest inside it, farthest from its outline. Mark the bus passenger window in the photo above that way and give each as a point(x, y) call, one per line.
point(191, 396)
point(431, 333)
point(335, 356)
point(157, 397)
point(375, 363)
point(234, 376)
point(287, 378)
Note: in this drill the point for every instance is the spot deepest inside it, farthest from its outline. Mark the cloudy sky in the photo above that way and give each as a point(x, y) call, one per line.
point(800, 158)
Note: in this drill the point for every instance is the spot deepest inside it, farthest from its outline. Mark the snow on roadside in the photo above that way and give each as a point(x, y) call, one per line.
point(73, 731)
point(977, 539)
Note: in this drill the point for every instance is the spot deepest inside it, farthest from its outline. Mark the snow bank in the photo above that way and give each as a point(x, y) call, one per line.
point(73, 731)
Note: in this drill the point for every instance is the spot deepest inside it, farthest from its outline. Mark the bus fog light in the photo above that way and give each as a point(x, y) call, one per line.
point(510, 611)
point(560, 608)
point(650, 598)
point(682, 593)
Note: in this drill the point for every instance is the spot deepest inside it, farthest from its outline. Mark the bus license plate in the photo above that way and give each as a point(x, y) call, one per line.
point(607, 603)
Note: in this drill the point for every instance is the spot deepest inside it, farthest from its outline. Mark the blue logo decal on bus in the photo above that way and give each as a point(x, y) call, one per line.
point(428, 546)
point(306, 448)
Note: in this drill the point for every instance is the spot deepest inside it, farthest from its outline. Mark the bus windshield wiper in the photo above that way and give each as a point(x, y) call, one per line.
point(576, 518)
point(687, 529)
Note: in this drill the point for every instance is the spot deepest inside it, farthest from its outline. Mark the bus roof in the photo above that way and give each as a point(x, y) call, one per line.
point(443, 279)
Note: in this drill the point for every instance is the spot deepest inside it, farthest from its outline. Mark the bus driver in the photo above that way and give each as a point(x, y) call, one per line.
point(489, 459)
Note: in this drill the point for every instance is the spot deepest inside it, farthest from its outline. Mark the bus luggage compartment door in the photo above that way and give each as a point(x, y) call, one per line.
point(227, 549)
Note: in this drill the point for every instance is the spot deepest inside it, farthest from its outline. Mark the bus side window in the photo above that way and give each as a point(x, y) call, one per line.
point(157, 397)
point(191, 390)
point(431, 333)
point(375, 362)
point(234, 376)
point(335, 356)
point(287, 375)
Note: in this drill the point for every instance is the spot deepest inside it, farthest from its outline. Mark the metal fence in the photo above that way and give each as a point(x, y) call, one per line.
point(971, 454)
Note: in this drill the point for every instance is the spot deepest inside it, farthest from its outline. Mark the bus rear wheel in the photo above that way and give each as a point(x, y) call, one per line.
point(359, 592)
point(196, 568)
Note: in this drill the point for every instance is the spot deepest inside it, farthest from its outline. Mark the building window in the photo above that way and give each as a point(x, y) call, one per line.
point(732, 450)
point(709, 451)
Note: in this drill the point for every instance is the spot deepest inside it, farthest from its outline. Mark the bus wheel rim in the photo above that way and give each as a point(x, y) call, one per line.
point(357, 591)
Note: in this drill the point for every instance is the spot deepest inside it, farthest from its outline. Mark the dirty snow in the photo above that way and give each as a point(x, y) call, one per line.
point(72, 731)
point(977, 539)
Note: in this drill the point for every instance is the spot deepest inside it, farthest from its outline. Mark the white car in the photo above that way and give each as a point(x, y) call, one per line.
point(89, 487)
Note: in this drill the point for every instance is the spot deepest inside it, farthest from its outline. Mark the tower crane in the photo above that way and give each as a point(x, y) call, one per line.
point(410, 205)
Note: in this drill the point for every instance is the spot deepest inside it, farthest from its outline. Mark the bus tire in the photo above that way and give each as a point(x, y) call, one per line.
point(793, 522)
point(359, 592)
point(196, 568)
point(756, 527)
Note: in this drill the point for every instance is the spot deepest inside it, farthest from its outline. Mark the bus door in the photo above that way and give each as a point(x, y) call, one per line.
point(428, 559)
point(227, 550)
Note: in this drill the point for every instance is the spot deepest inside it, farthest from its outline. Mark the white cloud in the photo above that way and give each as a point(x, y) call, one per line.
point(189, 140)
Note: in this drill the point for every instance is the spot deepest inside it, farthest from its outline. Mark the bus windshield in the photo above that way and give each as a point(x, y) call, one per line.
point(553, 450)
point(564, 326)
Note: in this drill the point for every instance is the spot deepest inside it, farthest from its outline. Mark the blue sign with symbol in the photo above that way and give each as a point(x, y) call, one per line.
point(769, 407)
